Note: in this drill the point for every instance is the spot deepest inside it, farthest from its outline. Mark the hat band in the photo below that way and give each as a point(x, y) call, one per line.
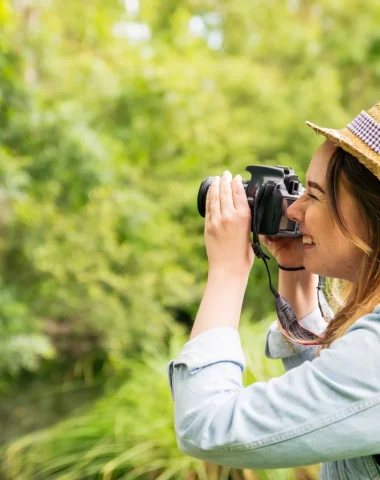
point(367, 129)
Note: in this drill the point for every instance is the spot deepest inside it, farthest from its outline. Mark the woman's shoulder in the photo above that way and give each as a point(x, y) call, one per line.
point(370, 321)
point(353, 360)
point(362, 338)
point(377, 309)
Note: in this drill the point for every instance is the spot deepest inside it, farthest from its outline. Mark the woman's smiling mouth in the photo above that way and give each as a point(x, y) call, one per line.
point(308, 242)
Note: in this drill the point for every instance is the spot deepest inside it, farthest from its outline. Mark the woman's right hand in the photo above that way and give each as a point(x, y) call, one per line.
point(288, 251)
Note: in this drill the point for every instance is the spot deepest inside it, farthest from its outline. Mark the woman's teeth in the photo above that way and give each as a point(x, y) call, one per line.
point(308, 240)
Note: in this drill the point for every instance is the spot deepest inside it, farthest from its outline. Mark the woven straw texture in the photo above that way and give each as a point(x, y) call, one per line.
point(347, 140)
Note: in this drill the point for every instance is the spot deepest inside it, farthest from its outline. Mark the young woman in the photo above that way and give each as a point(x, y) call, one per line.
point(326, 407)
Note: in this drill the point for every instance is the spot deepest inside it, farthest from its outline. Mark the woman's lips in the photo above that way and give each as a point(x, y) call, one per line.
point(307, 239)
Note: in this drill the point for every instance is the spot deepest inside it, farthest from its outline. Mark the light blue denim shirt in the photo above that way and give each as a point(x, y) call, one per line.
point(324, 409)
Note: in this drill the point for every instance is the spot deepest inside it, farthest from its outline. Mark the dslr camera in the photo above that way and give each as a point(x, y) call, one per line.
point(270, 191)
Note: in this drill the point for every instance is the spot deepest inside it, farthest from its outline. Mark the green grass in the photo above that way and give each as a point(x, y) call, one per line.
point(129, 433)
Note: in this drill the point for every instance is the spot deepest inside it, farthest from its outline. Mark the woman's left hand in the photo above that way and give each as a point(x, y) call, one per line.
point(228, 226)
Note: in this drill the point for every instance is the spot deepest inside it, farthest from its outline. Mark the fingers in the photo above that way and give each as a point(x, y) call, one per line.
point(263, 239)
point(267, 240)
point(225, 190)
point(212, 200)
point(225, 196)
point(208, 202)
point(239, 196)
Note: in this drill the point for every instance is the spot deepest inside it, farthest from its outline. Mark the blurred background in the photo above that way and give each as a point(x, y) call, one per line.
point(111, 115)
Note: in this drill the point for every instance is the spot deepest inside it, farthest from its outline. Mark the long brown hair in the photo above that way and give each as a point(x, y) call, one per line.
point(352, 300)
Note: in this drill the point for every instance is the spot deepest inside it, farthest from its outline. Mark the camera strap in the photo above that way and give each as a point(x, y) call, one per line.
point(258, 213)
point(291, 328)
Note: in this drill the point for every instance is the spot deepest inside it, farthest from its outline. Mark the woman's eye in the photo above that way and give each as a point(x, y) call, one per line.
point(312, 196)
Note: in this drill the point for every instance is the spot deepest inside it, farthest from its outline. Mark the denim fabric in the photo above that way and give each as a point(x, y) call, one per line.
point(276, 347)
point(322, 410)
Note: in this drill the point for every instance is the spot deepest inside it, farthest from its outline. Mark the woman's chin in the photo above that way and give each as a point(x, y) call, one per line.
point(313, 267)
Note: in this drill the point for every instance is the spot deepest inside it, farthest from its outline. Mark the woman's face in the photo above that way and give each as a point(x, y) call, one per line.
point(332, 255)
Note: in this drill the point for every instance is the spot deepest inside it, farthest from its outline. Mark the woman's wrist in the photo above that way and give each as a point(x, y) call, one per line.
point(302, 279)
point(235, 273)
point(290, 269)
point(222, 301)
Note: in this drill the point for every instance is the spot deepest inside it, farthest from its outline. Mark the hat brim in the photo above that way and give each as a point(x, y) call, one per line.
point(352, 144)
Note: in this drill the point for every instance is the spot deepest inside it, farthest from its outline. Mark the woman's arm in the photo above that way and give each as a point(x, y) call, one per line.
point(300, 418)
point(229, 252)
point(221, 303)
point(300, 290)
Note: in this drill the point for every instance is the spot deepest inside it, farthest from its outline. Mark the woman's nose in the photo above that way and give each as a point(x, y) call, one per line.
point(294, 212)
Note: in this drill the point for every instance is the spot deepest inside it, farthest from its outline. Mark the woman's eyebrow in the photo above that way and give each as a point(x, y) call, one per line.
point(315, 185)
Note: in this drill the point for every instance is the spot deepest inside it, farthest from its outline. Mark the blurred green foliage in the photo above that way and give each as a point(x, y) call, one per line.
point(111, 114)
point(129, 433)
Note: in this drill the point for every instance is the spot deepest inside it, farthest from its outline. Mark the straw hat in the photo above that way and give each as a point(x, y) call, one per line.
point(361, 138)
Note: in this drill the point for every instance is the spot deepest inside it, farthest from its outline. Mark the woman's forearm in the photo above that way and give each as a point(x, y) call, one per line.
point(221, 303)
point(223, 298)
point(299, 288)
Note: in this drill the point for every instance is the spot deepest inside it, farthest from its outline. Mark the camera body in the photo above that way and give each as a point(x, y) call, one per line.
point(270, 191)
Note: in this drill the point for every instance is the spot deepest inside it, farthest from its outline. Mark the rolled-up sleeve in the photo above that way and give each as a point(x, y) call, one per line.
point(221, 344)
point(321, 411)
point(291, 353)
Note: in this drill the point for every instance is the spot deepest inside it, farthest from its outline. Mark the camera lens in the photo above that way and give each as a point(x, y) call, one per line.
point(202, 194)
